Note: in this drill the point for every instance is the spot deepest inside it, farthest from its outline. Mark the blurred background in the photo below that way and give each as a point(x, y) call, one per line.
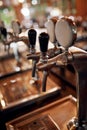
point(36, 12)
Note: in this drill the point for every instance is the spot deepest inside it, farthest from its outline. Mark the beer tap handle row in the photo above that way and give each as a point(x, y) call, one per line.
point(12, 36)
point(42, 56)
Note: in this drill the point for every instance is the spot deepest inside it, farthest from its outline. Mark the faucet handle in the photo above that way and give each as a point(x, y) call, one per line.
point(32, 39)
point(32, 36)
point(3, 32)
point(43, 42)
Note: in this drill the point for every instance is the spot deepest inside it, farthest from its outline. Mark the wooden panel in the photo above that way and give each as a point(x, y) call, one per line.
point(81, 7)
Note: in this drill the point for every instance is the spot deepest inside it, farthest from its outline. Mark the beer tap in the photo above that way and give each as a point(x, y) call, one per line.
point(16, 38)
point(43, 42)
point(57, 49)
point(32, 53)
point(14, 35)
point(78, 58)
point(37, 56)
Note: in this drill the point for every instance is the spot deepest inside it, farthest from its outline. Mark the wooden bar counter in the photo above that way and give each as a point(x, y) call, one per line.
point(17, 88)
point(18, 96)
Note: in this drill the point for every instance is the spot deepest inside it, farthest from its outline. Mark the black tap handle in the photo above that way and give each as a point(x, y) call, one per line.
point(43, 41)
point(3, 31)
point(32, 37)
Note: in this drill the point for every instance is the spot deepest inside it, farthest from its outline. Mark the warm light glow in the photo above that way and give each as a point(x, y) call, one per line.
point(1, 3)
point(34, 2)
point(25, 11)
point(1, 96)
point(56, 12)
point(21, 1)
point(3, 103)
point(15, 2)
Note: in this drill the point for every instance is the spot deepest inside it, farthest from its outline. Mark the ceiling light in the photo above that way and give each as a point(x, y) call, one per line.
point(34, 2)
point(25, 11)
point(21, 1)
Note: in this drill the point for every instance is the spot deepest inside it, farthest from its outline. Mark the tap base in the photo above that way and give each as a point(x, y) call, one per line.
point(74, 125)
point(44, 57)
point(32, 50)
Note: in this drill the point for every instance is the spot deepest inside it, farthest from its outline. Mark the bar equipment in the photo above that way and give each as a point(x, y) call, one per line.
point(43, 42)
point(32, 34)
point(12, 41)
point(10, 51)
point(66, 34)
point(40, 57)
point(50, 26)
point(16, 31)
point(32, 40)
point(45, 53)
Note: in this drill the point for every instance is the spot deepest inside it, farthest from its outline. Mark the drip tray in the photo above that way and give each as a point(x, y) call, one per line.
point(53, 116)
point(44, 122)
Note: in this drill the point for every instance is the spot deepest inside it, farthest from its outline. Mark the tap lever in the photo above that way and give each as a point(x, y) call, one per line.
point(43, 42)
point(32, 40)
point(32, 55)
point(3, 33)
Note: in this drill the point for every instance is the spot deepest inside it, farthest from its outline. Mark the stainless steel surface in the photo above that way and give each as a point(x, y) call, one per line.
point(77, 58)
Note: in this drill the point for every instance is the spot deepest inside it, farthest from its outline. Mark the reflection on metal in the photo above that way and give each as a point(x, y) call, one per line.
point(3, 104)
point(78, 58)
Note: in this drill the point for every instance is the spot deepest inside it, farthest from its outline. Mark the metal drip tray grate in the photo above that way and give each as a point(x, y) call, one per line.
point(54, 116)
point(43, 123)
